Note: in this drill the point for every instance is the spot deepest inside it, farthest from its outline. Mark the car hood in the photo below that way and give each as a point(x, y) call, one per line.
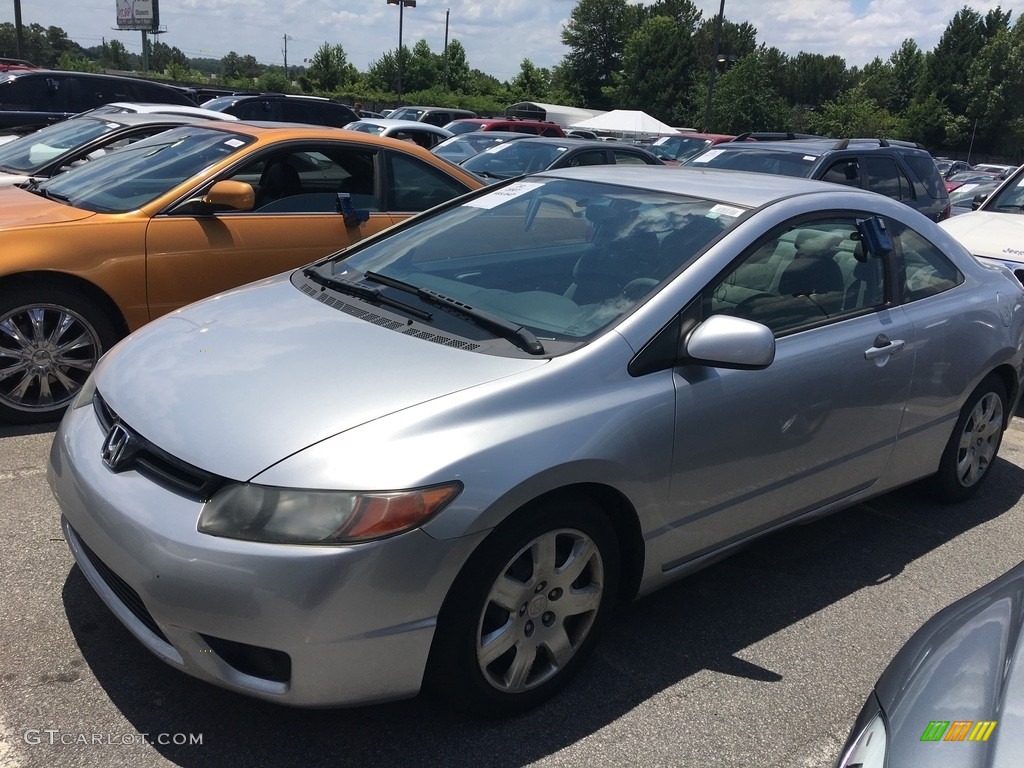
point(240, 381)
point(19, 208)
point(965, 665)
point(995, 235)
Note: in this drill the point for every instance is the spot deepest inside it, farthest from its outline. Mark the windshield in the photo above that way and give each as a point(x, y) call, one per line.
point(780, 163)
point(463, 126)
point(678, 147)
point(506, 161)
point(1010, 196)
point(561, 258)
point(365, 127)
point(458, 148)
point(406, 113)
point(131, 177)
point(32, 152)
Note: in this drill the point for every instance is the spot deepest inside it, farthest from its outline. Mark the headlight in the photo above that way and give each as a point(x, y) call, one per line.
point(290, 516)
point(84, 396)
point(868, 749)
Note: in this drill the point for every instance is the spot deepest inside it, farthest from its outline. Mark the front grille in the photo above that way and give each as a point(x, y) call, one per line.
point(156, 464)
point(128, 596)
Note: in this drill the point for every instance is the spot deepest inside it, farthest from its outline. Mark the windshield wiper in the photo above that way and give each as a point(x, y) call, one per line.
point(515, 333)
point(372, 295)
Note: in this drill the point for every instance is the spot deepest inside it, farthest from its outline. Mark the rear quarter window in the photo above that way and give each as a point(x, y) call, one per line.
point(923, 167)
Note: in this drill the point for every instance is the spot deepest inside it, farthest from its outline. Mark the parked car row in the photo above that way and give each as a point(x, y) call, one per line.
point(582, 302)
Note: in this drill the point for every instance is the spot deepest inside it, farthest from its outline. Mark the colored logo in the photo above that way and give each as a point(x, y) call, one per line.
point(958, 730)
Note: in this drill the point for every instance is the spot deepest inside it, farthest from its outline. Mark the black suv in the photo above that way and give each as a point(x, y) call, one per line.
point(900, 170)
point(284, 107)
point(33, 98)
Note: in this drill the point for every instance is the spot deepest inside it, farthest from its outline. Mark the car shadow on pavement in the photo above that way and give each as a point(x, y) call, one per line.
point(651, 645)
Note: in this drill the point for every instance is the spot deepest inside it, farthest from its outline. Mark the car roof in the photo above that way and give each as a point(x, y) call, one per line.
point(145, 118)
point(492, 135)
point(385, 122)
point(753, 190)
point(139, 107)
point(818, 146)
point(572, 142)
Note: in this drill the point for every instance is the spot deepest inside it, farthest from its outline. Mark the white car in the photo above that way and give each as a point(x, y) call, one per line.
point(424, 134)
point(121, 107)
point(77, 140)
point(995, 232)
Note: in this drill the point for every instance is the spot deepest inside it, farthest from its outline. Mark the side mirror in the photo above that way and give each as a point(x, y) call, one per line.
point(978, 200)
point(224, 195)
point(723, 341)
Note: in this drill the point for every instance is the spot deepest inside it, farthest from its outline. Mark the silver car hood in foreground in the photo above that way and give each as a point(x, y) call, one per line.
point(963, 666)
point(219, 387)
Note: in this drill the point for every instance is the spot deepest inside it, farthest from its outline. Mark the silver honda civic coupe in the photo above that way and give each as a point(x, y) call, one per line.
point(440, 457)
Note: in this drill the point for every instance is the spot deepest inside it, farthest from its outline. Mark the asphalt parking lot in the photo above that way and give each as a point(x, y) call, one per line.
point(762, 659)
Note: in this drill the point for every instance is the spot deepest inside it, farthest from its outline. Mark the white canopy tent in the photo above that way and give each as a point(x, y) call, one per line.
point(625, 121)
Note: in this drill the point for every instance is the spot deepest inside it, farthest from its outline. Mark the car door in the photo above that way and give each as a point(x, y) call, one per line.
point(295, 220)
point(753, 448)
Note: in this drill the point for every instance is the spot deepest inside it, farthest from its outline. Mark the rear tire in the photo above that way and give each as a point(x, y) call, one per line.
point(967, 460)
point(50, 340)
point(526, 610)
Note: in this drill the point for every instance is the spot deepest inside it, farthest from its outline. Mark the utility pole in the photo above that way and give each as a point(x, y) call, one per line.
point(286, 39)
point(18, 34)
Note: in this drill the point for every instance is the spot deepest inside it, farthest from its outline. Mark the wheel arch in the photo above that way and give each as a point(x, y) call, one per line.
point(59, 280)
point(621, 514)
point(1008, 375)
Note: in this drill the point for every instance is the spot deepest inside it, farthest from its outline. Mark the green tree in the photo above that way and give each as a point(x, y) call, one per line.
point(328, 70)
point(854, 114)
point(947, 67)
point(658, 69)
point(455, 73)
point(908, 68)
point(162, 56)
point(994, 92)
point(813, 79)
point(531, 84)
point(113, 55)
point(596, 35)
point(743, 100)
point(421, 70)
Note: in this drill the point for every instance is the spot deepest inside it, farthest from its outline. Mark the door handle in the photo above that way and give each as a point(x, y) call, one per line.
point(884, 347)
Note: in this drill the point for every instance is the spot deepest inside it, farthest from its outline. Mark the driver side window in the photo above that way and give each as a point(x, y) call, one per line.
point(800, 277)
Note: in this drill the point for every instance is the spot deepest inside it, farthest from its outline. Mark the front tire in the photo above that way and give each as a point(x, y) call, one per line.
point(967, 459)
point(526, 610)
point(50, 340)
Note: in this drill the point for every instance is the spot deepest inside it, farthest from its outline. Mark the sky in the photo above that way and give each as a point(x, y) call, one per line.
point(497, 36)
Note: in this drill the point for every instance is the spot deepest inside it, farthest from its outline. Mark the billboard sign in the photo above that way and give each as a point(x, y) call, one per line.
point(138, 14)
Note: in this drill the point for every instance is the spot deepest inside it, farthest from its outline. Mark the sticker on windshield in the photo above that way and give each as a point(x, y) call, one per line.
point(234, 143)
point(499, 196)
point(711, 154)
point(726, 210)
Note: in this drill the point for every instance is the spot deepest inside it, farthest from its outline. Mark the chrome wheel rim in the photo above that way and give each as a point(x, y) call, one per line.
point(539, 610)
point(46, 354)
point(980, 439)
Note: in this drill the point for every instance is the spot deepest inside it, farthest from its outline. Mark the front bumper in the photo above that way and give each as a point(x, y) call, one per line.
point(297, 625)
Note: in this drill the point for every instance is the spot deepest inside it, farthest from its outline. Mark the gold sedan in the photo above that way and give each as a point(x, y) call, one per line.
point(95, 253)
